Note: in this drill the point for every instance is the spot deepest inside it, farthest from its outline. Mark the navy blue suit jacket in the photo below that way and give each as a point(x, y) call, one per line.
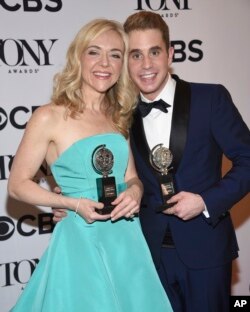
point(205, 125)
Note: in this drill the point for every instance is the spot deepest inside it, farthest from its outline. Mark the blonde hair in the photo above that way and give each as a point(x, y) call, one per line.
point(121, 98)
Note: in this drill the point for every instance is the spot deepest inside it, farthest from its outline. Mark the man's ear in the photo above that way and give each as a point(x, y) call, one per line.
point(170, 55)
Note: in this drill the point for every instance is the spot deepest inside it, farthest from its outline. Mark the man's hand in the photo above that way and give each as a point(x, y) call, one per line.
point(59, 214)
point(186, 205)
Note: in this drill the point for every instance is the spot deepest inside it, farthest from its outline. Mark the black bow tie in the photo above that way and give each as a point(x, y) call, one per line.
point(145, 108)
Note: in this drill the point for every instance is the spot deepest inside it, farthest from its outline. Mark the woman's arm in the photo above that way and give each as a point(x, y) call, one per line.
point(29, 157)
point(31, 152)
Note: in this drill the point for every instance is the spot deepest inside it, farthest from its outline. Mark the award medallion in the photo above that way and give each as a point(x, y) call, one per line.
point(161, 159)
point(103, 161)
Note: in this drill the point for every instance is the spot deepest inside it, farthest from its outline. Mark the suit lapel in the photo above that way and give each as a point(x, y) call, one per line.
point(179, 127)
point(180, 118)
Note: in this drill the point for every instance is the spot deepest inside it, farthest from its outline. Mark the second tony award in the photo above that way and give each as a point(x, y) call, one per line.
point(160, 159)
point(103, 161)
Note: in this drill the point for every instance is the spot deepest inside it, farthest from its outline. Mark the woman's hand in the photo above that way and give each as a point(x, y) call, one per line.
point(86, 208)
point(83, 206)
point(128, 202)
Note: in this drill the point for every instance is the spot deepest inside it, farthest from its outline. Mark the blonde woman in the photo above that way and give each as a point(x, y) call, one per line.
point(97, 259)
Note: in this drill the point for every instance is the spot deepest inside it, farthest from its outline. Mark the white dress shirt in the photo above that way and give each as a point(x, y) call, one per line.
point(157, 124)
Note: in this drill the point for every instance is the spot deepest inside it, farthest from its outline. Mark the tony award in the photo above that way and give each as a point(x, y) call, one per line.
point(103, 161)
point(160, 159)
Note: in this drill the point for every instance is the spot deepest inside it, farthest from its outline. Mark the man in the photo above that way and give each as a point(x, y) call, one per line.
point(192, 243)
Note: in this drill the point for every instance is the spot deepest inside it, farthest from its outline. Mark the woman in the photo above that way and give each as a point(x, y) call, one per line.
point(90, 264)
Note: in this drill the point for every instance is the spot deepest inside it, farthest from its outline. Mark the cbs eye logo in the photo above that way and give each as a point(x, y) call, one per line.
point(43, 223)
point(3, 118)
point(7, 228)
point(17, 117)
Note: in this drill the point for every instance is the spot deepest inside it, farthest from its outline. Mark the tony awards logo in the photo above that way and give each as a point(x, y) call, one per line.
point(103, 161)
point(160, 159)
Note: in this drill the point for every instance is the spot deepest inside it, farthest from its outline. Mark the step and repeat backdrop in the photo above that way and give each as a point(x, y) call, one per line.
point(212, 43)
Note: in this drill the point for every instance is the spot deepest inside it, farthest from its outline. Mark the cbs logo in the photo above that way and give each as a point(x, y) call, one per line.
point(43, 225)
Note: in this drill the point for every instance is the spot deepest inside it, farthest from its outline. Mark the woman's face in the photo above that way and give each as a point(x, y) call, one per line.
point(102, 62)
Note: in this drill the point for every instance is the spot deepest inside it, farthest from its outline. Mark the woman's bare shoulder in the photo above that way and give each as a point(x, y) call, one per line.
point(48, 113)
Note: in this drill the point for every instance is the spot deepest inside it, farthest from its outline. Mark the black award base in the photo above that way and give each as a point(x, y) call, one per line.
point(167, 191)
point(106, 189)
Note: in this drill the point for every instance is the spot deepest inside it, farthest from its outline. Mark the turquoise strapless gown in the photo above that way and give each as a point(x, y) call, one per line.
point(100, 267)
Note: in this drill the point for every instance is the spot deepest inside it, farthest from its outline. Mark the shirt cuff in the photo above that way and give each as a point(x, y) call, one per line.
point(205, 212)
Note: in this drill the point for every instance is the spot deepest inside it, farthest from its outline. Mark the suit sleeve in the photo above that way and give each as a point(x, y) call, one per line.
point(233, 137)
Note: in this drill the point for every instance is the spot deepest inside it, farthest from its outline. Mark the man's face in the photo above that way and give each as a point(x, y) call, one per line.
point(149, 61)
